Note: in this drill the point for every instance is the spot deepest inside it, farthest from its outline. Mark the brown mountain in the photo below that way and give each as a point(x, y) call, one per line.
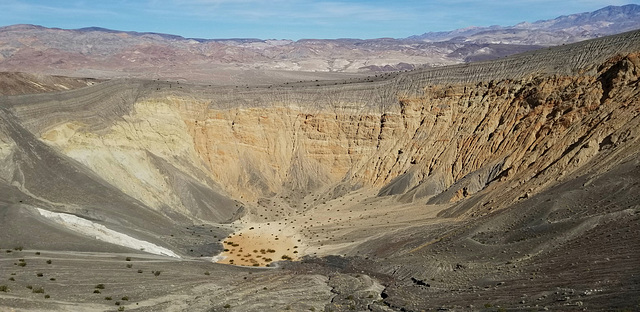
point(106, 54)
point(103, 53)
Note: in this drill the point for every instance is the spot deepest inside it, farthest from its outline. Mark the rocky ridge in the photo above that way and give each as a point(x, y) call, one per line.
point(23, 83)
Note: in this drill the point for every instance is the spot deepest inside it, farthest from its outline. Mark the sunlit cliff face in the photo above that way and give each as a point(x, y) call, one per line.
point(443, 144)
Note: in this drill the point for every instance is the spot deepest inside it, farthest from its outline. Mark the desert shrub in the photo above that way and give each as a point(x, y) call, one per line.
point(227, 306)
point(121, 308)
point(39, 274)
point(18, 248)
point(52, 279)
point(47, 296)
point(108, 298)
point(12, 279)
point(117, 303)
point(38, 290)
point(97, 291)
point(29, 287)
point(4, 288)
point(207, 273)
point(48, 261)
point(125, 298)
point(139, 271)
point(129, 266)
point(127, 259)
point(99, 286)
point(37, 253)
point(285, 257)
point(156, 273)
point(22, 264)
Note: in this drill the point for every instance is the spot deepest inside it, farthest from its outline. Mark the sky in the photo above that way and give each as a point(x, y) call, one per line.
point(288, 19)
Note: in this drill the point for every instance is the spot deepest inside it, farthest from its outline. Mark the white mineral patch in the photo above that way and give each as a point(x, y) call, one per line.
point(217, 258)
point(100, 232)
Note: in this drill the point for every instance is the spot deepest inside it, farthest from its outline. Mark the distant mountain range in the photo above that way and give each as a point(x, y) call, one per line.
point(104, 53)
point(564, 29)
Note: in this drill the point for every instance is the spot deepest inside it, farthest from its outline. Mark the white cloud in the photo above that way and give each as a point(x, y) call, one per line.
point(14, 9)
point(281, 9)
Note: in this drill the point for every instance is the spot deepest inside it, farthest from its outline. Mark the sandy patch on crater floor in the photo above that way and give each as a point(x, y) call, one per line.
point(260, 244)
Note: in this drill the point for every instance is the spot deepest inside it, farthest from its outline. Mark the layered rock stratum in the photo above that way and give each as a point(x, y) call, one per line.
point(503, 184)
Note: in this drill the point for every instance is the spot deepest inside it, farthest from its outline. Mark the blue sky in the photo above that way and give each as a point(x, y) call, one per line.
point(288, 19)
